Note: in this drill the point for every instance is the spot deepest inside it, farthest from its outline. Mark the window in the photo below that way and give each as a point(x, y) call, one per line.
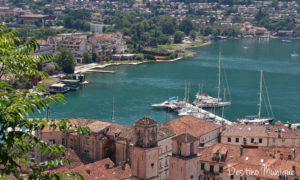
point(283, 140)
point(63, 141)
point(166, 163)
point(202, 166)
point(260, 140)
point(231, 177)
point(221, 169)
point(274, 140)
point(229, 140)
point(252, 140)
point(51, 141)
point(211, 168)
point(166, 148)
point(237, 140)
point(152, 165)
point(192, 177)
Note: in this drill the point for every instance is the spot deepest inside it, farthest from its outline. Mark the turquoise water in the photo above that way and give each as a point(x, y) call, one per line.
point(136, 87)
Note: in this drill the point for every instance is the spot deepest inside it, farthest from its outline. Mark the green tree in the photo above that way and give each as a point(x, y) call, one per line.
point(168, 25)
point(17, 129)
point(186, 26)
point(87, 58)
point(193, 34)
point(178, 37)
point(65, 59)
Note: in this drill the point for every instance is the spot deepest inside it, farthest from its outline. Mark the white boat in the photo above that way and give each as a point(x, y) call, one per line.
point(166, 104)
point(294, 55)
point(204, 101)
point(286, 40)
point(258, 119)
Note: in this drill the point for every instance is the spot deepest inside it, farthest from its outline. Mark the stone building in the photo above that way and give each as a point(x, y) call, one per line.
point(144, 154)
point(224, 161)
point(207, 132)
point(120, 143)
point(107, 44)
point(184, 161)
point(261, 135)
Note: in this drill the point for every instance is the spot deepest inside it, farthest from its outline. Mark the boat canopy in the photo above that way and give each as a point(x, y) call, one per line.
point(172, 98)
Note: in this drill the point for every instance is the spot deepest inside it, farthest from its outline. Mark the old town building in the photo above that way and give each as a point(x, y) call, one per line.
point(207, 132)
point(261, 135)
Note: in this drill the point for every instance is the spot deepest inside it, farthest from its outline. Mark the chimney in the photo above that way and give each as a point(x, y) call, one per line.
point(241, 151)
point(294, 154)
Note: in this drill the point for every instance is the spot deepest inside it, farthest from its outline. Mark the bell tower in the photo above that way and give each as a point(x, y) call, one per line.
point(144, 154)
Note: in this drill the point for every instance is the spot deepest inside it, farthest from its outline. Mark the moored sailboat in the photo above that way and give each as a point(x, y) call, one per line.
point(258, 119)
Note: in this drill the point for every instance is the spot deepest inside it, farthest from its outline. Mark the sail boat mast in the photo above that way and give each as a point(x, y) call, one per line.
point(260, 94)
point(113, 111)
point(219, 80)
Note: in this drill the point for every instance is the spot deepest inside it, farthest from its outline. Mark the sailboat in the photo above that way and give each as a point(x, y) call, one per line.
point(204, 101)
point(258, 119)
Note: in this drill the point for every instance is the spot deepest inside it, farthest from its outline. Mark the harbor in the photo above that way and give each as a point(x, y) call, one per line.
point(136, 87)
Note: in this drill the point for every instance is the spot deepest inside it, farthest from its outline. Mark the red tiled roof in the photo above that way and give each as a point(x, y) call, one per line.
point(103, 169)
point(192, 125)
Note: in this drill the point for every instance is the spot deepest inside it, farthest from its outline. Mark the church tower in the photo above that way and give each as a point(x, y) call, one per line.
point(184, 161)
point(144, 154)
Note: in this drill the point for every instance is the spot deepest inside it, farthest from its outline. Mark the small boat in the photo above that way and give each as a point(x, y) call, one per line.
point(255, 120)
point(74, 85)
point(245, 47)
point(58, 88)
point(294, 55)
point(286, 41)
point(166, 104)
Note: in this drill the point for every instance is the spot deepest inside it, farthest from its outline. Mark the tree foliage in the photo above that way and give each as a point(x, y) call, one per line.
point(178, 37)
point(17, 130)
point(65, 59)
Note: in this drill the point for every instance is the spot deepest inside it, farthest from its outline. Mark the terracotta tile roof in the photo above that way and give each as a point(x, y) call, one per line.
point(146, 121)
point(259, 159)
point(94, 125)
point(241, 130)
point(122, 132)
point(192, 125)
point(103, 169)
point(164, 132)
point(281, 131)
point(76, 160)
point(185, 137)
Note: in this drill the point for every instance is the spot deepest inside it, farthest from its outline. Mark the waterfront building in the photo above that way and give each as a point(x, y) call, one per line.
point(276, 135)
point(107, 44)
